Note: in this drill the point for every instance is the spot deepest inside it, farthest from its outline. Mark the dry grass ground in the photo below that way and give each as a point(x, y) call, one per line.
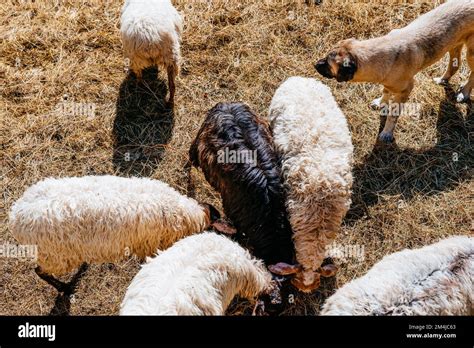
point(68, 52)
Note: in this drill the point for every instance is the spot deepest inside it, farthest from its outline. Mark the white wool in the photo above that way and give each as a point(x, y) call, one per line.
point(199, 275)
point(151, 33)
point(435, 280)
point(312, 135)
point(98, 219)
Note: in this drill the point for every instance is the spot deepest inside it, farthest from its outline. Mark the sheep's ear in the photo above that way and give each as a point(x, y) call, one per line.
point(284, 269)
point(224, 227)
point(329, 270)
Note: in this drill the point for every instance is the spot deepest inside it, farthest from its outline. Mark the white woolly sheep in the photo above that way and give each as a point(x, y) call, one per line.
point(435, 280)
point(312, 136)
point(199, 275)
point(99, 219)
point(151, 35)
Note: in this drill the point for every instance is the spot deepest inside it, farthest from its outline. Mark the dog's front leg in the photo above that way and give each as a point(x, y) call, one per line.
point(393, 112)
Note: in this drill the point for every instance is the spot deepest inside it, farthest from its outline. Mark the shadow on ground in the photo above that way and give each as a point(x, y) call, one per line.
point(407, 172)
point(62, 304)
point(143, 125)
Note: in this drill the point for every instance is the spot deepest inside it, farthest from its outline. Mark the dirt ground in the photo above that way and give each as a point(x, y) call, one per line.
point(61, 56)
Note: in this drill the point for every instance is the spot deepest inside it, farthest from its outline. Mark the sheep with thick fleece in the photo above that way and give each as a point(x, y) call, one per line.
point(435, 280)
point(151, 35)
point(312, 136)
point(99, 219)
point(199, 275)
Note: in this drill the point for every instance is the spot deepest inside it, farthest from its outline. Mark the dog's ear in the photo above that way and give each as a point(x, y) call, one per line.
point(347, 68)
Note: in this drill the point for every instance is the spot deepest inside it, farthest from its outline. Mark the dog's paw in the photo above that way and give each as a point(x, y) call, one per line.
point(461, 98)
point(376, 104)
point(386, 138)
point(440, 81)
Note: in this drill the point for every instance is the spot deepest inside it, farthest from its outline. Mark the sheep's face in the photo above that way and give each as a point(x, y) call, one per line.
point(302, 279)
point(340, 63)
point(307, 281)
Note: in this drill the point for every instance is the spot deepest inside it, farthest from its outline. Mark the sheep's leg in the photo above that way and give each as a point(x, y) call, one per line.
point(137, 70)
point(171, 83)
point(139, 75)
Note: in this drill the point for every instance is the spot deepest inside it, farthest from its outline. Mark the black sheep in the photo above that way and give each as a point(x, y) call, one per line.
point(251, 190)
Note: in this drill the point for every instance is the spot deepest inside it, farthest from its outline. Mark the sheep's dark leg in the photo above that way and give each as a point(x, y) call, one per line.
point(171, 84)
point(67, 288)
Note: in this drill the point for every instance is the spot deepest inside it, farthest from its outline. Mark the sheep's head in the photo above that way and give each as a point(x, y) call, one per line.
point(304, 280)
point(340, 63)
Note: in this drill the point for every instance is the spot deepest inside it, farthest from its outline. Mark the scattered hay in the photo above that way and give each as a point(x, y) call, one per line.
point(56, 55)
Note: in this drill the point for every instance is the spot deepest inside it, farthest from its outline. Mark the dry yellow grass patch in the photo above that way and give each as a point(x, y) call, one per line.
point(59, 54)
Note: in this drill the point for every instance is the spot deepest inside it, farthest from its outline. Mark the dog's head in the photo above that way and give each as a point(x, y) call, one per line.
point(340, 63)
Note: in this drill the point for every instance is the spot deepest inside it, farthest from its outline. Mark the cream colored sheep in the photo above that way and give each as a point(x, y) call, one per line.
point(151, 35)
point(435, 280)
point(199, 275)
point(313, 138)
point(98, 219)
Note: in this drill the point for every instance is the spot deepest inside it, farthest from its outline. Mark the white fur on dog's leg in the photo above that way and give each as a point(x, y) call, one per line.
point(440, 81)
point(376, 103)
point(462, 98)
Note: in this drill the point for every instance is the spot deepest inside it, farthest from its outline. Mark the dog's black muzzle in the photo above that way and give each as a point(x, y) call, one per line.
point(322, 67)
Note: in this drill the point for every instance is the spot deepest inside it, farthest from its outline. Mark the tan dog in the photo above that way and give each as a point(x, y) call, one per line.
point(394, 59)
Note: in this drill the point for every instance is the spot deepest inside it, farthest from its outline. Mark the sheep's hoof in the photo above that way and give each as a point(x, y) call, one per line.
point(284, 269)
point(386, 138)
point(329, 270)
